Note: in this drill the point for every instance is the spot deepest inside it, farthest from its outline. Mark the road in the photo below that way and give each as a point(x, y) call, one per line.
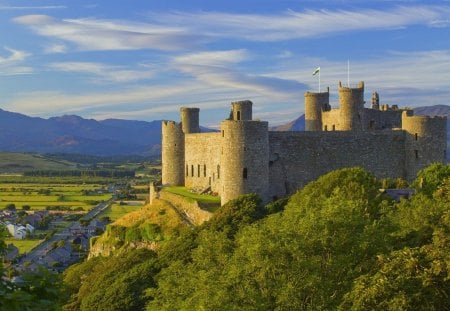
point(40, 250)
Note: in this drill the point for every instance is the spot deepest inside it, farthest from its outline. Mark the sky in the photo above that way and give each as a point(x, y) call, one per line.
point(143, 60)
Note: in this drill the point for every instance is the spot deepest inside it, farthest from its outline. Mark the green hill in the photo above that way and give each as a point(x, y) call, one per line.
point(17, 163)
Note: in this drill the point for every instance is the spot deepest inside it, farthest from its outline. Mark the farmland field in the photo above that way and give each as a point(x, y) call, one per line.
point(47, 195)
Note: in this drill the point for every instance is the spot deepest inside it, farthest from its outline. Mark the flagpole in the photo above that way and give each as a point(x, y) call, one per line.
point(348, 72)
point(319, 81)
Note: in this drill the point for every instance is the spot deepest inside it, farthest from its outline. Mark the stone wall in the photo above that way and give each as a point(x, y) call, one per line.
point(426, 141)
point(172, 153)
point(299, 157)
point(202, 161)
point(244, 159)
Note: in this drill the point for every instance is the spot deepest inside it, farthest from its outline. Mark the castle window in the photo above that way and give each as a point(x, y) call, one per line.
point(218, 171)
point(204, 170)
point(187, 170)
point(238, 115)
point(416, 136)
point(223, 133)
point(325, 128)
point(334, 127)
point(192, 170)
point(210, 181)
point(198, 170)
point(416, 152)
point(245, 173)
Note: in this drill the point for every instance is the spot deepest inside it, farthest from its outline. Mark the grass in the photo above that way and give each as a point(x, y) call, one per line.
point(11, 162)
point(116, 211)
point(201, 198)
point(59, 195)
point(23, 245)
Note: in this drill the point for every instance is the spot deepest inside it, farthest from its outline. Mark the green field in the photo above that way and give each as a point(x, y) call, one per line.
point(41, 196)
point(11, 162)
point(201, 198)
point(23, 245)
point(116, 211)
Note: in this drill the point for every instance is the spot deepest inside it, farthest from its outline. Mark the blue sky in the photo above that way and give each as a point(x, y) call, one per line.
point(142, 60)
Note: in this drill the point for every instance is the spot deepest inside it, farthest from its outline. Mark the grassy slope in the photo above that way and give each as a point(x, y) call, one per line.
point(19, 162)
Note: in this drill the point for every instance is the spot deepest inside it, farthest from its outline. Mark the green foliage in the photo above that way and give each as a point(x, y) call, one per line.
point(41, 290)
point(337, 244)
point(112, 283)
point(430, 178)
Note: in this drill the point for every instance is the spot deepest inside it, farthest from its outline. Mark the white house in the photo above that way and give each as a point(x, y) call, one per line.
point(20, 232)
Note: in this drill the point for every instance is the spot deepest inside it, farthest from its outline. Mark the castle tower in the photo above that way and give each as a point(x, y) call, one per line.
point(190, 120)
point(375, 101)
point(315, 103)
point(241, 110)
point(244, 157)
point(425, 143)
point(351, 101)
point(172, 153)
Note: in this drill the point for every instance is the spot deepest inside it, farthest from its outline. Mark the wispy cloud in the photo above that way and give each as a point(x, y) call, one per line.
point(55, 48)
point(306, 24)
point(216, 69)
point(39, 7)
point(183, 30)
point(104, 72)
point(10, 65)
point(94, 34)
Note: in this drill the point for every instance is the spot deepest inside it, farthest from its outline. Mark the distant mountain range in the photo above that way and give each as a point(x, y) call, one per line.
point(76, 135)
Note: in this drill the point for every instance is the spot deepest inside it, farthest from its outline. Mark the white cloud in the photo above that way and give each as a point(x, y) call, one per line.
point(104, 72)
point(184, 30)
point(216, 69)
point(306, 24)
point(9, 65)
point(55, 48)
point(93, 34)
point(42, 7)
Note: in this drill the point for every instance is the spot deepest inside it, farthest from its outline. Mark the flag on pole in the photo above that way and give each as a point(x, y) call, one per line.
point(316, 71)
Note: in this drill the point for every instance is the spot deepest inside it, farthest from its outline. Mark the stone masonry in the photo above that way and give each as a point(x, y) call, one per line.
point(245, 157)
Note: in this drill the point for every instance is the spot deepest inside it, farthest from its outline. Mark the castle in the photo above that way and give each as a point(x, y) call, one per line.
point(245, 157)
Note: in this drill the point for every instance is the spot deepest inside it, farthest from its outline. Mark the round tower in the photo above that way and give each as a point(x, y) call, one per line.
point(425, 142)
point(315, 104)
point(241, 110)
point(375, 101)
point(172, 154)
point(190, 120)
point(244, 159)
point(351, 102)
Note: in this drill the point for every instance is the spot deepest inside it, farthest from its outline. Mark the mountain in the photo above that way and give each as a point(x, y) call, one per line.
point(73, 134)
point(112, 137)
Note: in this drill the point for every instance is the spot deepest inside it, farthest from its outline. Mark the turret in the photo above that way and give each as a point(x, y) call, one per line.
point(351, 101)
point(241, 110)
point(375, 101)
point(172, 154)
point(315, 104)
point(425, 143)
point(244, 156)
point(190, 120)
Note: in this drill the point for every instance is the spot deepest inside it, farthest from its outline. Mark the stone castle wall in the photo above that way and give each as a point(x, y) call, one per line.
point(172, 154)
point(202, 161)
point(244, 158)
point(426, 141)
point(299, 157)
